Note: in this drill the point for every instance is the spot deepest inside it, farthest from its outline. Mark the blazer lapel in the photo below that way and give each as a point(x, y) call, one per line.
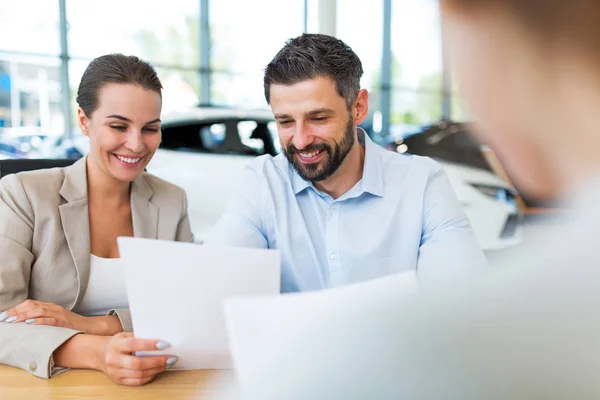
point(76, 223)
point(143, 213)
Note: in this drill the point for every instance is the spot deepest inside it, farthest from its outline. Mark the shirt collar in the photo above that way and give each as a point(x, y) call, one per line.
point(372, 179)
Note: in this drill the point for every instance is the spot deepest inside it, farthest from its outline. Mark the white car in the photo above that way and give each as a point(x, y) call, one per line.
point(489, 203)
point(204, 151)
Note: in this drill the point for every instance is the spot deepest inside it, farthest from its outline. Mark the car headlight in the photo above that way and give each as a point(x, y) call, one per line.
point(498, 193)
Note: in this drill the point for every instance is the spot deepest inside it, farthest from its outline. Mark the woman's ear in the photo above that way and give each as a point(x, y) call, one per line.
point(83, 121)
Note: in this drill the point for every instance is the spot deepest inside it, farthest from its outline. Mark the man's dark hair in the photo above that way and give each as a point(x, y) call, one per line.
point(312, 55)
point(114, 68)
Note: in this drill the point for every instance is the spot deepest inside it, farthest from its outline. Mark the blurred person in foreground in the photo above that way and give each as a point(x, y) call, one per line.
point(530, 71)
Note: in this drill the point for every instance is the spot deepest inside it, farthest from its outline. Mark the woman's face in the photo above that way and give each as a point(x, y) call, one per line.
point(501, 77)
point(124, 130)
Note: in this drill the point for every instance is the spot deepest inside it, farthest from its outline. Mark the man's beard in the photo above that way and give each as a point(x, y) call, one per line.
point(332, 161)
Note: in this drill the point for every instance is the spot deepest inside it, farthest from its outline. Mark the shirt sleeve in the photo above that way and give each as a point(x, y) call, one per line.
point(242, 224)
point(29, 347)
point(448, 252)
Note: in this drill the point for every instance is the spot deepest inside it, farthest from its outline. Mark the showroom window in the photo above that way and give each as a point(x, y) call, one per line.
point(360, 28)
point(167, 37)
point(243, 43)
point(40, 73)
point(30, 86)
point(416, 64)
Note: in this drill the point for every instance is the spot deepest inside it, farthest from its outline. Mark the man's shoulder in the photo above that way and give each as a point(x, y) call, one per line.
point(270, 167)
point(402, 164)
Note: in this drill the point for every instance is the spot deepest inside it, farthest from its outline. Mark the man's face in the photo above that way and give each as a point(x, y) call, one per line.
point(316, 130)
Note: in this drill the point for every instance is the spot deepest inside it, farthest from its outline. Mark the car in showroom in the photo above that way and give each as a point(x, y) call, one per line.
point(492, 204)
point(454, 142)
point(31, 142)
point(205, 149)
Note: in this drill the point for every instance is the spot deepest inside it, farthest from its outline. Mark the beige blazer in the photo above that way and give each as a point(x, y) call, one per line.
point(45, 250)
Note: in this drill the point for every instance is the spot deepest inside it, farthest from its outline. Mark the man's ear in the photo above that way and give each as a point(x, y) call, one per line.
point(360, 109)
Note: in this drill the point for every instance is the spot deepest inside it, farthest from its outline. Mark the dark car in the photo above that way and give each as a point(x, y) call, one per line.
point(454, 142)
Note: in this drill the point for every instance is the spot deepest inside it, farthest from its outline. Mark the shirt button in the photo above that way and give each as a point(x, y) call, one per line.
point(333, 256)
point(32, 366)
point(333, 207)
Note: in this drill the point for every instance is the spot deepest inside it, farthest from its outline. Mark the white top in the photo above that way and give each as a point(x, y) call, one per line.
point(106, 287)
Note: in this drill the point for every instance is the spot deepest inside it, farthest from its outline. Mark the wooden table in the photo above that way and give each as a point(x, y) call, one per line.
point(85, 384)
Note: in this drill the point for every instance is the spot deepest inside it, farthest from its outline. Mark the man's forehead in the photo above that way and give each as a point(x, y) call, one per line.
point(306, 97)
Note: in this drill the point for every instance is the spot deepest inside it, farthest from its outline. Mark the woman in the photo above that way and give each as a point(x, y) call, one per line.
point(61, 287)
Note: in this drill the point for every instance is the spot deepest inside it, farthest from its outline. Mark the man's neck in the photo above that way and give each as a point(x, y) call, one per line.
point(347, 175)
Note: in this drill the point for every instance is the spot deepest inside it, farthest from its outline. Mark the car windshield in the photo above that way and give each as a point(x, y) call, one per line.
point(245, 137)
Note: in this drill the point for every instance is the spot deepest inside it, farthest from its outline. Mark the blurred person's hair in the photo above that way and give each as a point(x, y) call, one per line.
point(551, 23)
point(314, 55)
point(114, 68)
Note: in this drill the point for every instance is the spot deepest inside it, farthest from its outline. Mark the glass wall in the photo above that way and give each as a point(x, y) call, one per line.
point(356, 27)
point(29, 26)
point(416, 62)
point(30, 87)
point(244, 36)
point(168, 37)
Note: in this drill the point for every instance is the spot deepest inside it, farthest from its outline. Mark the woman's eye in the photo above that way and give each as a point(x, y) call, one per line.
point(119, 128)
point(152, 130)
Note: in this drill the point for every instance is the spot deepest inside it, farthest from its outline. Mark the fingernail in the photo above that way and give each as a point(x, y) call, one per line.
point(11, 319)
point(3, 316)
point(163, 345)
point(171, 361)
point(30, 321)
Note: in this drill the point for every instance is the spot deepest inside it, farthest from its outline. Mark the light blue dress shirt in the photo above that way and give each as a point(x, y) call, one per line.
point(402, 215)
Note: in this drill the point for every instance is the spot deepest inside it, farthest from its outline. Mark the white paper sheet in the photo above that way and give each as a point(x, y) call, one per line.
point(176, 293)
point(261, 329)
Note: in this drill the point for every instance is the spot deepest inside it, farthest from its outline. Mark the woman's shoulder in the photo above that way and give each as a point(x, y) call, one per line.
point(42, 183)
point(164, 192)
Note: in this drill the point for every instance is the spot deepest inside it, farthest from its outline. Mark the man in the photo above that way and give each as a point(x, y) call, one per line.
point(530, 72)
point(340, 209)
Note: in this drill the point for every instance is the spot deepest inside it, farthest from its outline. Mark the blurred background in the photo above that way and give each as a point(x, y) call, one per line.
point(210, 57)
point(213, 53)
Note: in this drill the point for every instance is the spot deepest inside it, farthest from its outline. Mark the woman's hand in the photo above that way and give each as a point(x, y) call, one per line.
point(125, 368)
point(42, 313)
point(114, 355)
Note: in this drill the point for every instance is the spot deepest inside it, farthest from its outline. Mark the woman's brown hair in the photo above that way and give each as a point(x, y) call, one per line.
point(114, 68)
